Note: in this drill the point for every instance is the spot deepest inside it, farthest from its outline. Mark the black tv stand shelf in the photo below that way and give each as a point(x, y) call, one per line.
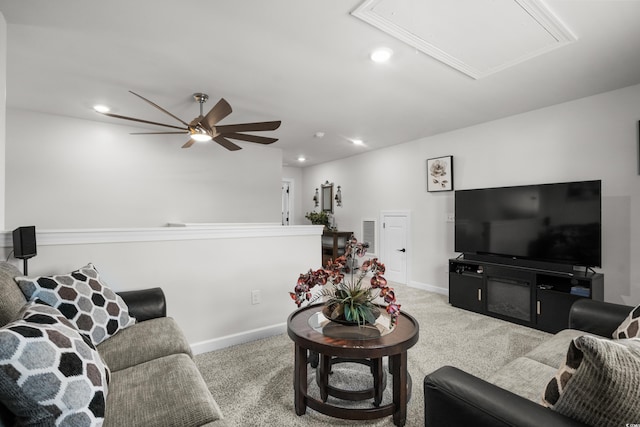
point(534, 297)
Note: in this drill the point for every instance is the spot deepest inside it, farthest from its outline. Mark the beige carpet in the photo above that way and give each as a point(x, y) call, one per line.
point(253, 382)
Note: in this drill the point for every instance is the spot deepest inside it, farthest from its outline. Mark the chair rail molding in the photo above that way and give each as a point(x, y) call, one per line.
point(174, 231)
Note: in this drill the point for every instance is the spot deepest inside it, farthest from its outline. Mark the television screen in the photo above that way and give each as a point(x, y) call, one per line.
point(558, 223)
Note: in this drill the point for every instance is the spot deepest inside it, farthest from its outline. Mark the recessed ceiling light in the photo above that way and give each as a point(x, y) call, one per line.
point(357, 142)
point(101, 108)
point(301, 159)
point(381, 54)
point(318, 134)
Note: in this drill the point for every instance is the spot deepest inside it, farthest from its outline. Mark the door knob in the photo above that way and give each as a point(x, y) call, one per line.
point(401, 250)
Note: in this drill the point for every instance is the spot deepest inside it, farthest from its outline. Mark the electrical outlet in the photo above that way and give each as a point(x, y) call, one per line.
point(255, 297)
point(451, 217)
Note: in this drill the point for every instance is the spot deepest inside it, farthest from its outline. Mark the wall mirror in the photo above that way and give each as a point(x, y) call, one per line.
point(327, 197)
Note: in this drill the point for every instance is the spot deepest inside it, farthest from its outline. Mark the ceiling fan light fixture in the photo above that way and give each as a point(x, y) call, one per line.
point(200, 135)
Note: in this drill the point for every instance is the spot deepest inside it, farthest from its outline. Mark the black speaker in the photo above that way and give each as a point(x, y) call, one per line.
point(24, 242)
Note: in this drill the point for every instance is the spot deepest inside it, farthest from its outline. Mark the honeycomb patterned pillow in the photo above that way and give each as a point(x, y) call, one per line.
point(630, 327)
point(49, 373)
point(84, 299)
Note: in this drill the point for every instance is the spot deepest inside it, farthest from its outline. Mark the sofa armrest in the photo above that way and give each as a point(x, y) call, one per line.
point(597, 317)
point(456, 398)
point(145, 304)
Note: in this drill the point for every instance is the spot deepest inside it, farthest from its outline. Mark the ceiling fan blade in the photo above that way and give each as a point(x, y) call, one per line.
point(160, 108)
point(189, 143)
point(250, 138)
point(195, 122)
point(249, 127)
point(117, 116)
point(219, 111)
point(226, 143)
point(158, 133)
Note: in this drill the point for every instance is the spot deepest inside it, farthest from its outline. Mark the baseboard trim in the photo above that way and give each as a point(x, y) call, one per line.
point(429, 288)
point(269, 331)
point(239, 338)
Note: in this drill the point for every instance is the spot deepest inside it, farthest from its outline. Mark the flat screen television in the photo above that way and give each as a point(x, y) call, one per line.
point(552, 223)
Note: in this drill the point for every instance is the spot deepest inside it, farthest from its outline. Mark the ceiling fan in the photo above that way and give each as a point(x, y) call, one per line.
point(203, 127)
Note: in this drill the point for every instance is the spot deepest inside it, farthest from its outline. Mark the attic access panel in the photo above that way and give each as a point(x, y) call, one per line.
point(476, 37)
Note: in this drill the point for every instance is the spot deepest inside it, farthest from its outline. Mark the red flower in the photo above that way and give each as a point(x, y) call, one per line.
point(337, 278)
point(388, 295)
point(378, 281)
point(393, 309)
point(296, 299)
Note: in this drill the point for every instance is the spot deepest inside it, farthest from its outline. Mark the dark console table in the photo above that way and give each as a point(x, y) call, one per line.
point(334, 244)
point(533, 297)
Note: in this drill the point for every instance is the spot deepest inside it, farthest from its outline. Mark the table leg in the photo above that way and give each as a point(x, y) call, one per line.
point(378, 376)
point(313, 358)
point(300, 380)
point(323, 380)
point(400, 397)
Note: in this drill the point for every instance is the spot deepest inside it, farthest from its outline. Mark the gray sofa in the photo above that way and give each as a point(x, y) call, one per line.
point(154, 380)
point(512, 396)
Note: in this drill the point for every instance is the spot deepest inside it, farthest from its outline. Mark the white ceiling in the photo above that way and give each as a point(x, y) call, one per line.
point(488, 37)
point(307, 63)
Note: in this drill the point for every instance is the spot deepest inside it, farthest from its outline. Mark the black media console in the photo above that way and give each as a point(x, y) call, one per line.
point(538, 298)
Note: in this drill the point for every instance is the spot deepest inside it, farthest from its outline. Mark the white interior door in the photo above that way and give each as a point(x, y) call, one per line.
point(395, 242)
point(286, 202)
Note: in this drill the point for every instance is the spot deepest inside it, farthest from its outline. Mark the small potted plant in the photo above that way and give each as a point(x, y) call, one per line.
point(318, 218)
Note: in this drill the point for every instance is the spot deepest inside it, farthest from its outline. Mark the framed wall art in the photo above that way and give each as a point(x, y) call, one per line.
point(440, 174)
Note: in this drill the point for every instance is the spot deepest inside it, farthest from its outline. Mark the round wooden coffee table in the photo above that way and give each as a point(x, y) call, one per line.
point(310, 331)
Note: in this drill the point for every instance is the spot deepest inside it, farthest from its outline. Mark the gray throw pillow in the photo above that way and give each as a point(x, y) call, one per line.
point(25, 410)
point(599, 383)
point(84, 298)
point(47, 366)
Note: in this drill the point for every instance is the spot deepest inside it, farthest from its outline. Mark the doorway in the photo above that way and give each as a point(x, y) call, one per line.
point(395, 244)
point(287, 201)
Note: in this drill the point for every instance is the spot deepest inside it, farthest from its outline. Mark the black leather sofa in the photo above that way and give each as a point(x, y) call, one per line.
point(145, 304)
point(453, 397)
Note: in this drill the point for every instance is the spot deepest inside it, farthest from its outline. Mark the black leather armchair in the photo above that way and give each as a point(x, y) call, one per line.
point(145, 304)
point(453, 397)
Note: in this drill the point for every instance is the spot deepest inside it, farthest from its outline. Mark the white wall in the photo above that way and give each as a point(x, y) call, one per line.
point(590, 138)
point(72, 173)
point(207, 274)
point(3, 97)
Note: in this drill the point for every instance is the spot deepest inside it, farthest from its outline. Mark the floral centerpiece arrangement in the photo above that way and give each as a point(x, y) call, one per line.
point(351, 301)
